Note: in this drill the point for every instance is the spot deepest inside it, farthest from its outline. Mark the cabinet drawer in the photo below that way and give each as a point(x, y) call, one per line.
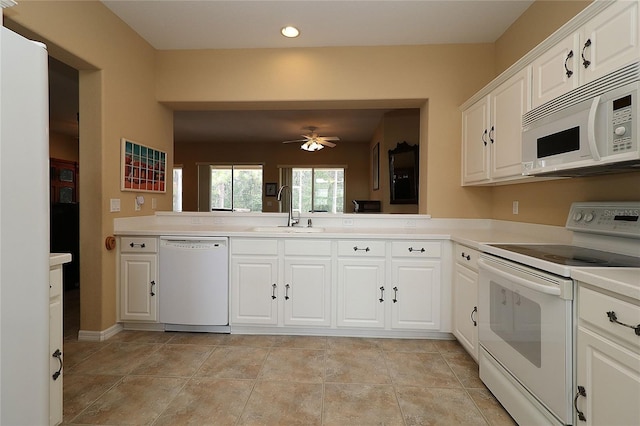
point(415, 249)
point(593, 308)
point(55, 281)
point(466, 256)
point(307, 247)
point(254, 246)
point(361, 248)
point(138, 245)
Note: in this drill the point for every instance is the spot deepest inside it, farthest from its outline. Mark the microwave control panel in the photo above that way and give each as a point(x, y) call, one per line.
point(622, 120)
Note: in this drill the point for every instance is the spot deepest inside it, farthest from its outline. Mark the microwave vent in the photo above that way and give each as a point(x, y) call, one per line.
point(604, 84)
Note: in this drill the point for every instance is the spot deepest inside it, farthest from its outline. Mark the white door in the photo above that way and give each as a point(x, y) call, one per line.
point(465, 308)
point(610, 40)
point(415, 294)
point(610, 376)
point(138, 289)
point(475, 140)
point(508, 103)
point(360, 297)
point(254, 290)
point(307, 289)
point(55, 352)
point(556, 71)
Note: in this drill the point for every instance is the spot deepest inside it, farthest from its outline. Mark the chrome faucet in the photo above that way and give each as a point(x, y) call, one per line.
point(290, 220)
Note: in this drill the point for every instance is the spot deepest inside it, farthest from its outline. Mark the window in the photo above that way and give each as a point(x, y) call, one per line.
point(177, 188)
point(318, 189)
point(236, 187)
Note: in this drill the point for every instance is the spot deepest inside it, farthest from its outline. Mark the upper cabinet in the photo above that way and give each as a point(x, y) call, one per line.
point(608, 41)
point(601, 39)
point(492, 132)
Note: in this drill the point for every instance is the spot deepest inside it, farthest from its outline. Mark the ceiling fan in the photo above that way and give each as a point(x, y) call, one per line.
point(314, 142)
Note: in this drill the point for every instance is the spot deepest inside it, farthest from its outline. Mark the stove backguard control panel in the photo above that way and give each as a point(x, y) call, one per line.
point(622, 219)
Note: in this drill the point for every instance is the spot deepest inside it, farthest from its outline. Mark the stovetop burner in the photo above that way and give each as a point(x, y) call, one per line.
point(572, 255)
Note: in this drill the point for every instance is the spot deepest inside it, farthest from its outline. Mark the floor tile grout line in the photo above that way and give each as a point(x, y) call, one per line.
point(94, 401)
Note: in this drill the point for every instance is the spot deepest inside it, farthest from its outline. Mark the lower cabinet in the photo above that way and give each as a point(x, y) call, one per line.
point(465, 298)
point(55, 344)
point(307, 291)
point(608, 360)
point(139, 287)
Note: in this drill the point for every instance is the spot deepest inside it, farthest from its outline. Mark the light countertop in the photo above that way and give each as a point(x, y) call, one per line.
point(623, 281)
point(56, 259)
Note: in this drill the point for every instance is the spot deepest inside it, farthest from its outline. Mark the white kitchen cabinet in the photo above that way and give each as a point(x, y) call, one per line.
point(415, 285)
point(492, 132)
point(465, 298)
point(138, 279)
point(254, 281)
point(55, 340)
point(361, 284)
point(307, 283)
point(608, 360)
point(605, 43)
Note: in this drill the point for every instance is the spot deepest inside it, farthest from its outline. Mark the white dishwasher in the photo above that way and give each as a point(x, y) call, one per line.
point(193, 287)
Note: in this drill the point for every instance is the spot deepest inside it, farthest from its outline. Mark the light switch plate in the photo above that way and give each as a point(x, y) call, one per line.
point(115, 205)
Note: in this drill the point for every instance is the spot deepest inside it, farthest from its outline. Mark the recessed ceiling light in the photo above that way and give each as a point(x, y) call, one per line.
point(290, 32)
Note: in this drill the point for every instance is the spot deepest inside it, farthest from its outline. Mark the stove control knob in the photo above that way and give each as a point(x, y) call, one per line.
point(589, 217)
point(577, 216)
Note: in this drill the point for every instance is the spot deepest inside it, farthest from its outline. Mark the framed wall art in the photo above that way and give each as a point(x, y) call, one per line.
point(143, 168)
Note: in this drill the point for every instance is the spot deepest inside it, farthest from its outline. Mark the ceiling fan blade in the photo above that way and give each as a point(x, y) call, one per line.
point(329, 138)
point(297, 140)
point(326, 143)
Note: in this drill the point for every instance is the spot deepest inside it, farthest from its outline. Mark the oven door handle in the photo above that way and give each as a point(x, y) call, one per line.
point(540, 288)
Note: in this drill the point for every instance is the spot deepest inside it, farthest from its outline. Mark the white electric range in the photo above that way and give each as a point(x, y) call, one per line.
point(526, 314)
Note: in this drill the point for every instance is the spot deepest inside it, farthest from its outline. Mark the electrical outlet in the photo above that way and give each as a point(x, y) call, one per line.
point(154, 203)
point(515, 207)
point(136, 206)
point(347, 222)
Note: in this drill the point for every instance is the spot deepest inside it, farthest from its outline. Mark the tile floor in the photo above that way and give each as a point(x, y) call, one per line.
point(156, 378)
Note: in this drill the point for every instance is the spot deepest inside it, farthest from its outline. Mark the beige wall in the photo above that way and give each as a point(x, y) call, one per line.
point(117, 98)
point(549, 202)
point(352, 155)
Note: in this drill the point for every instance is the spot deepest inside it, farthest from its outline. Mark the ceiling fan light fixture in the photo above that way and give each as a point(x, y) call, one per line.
point(290, 31)
point(311, 146)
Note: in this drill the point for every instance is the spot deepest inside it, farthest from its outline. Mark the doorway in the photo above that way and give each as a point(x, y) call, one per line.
point(64, 184)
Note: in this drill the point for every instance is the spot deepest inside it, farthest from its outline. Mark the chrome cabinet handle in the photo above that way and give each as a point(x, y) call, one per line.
point(57, 354)
point(585, 61)
point(581, 392)
point(141, 245)
point(421, 250)
point(273, 291)
point(566, 69)
point(152, 292)
point(286, 291)
point(395, 294)
point(381, 294)
point(356, 248)
point(614, 318)
point(484, 135)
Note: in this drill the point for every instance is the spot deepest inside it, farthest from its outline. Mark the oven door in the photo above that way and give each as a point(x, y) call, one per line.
point(525, 324)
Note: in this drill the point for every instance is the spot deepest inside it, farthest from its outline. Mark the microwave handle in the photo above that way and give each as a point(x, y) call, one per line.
point(540, 288)
point(591, 129)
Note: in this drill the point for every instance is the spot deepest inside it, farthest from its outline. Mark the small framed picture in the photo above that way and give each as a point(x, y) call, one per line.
point(270, 189)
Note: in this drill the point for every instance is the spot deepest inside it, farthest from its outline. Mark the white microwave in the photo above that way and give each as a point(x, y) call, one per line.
point(593, 136)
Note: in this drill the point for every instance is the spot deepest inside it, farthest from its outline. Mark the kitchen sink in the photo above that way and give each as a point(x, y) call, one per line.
point(288, 229)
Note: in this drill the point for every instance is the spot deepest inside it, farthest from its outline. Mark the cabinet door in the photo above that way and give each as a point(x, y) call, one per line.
point(610, 40)
point(508, 103)
point(465, 308)
point(307, 292)
point(254, 292)
point(55, 363)
point(359, 293)
point(556, 71)
point(138, 289)
point(610, 375)
point(475, 139)
point(415, 294)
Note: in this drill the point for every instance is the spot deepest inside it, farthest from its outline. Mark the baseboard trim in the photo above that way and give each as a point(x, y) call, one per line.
point(99, 336)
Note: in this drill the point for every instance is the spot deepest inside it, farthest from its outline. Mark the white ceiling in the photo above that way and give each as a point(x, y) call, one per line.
point(214, 24)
